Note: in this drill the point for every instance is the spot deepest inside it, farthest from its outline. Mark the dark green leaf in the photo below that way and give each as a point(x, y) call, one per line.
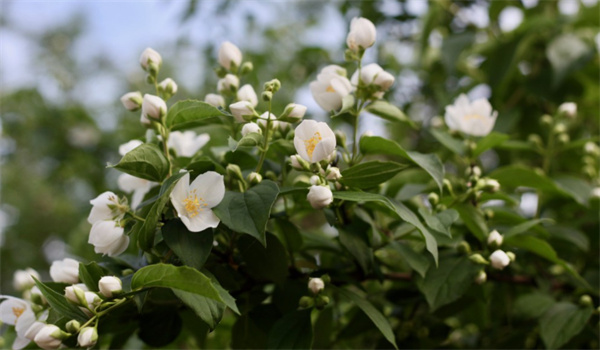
point(450, 142)
point(474, 220)
point(59, 303)
point(562, 322)
point(524, 227)
point(253, 139)
point(576, 188)
point(293, 331)
point(416, 261)
point(434, 222)
point(533, 305)
point(248, 212)
point(209, 310)
point(370, 174)
point(377, 317)
point(90, 274)
point(389, 112)
point(359, 249)
point(145, 161)
point(203, 164)
point(193, 248)
point(264, 263)
point(160, 327)
point(490, 141)
point(189, 114)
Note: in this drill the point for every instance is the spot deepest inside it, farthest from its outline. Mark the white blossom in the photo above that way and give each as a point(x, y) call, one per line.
point(215, 100)
point(228, 54)
point(138, 186)
point(473, 118)
point(228, 83)
point(149, 57)
point(246, 93)
point(362, 34)
point(187, 143)
point(153, 107)
point(132, 101)
point(373, 74)
point(331, 87)
point(194, 201)
point(250, 128)
point(88, 337)
point(264, 118)
point(23, 279)
point(242, 111)
point(294, 112)
point(568, 109)
point(108, 238)
point(110, 285)
point(333, 174)
point(65, 271)
point(499, 259)
point(168, 85)
point(17, 312)
point(316, 285)
point(319, 196)
point(129, 146)
point(495, 238)
point(48, 337)
point(314, 141)
point(105, 207)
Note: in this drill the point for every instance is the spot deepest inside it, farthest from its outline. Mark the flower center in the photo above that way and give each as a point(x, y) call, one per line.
point(194, 204)
point(473, 116)
point(330, 89)
point(18, 311)
point(311, 143)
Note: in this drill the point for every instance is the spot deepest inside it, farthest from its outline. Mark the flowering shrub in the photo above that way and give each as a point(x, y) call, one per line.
point(292, 235)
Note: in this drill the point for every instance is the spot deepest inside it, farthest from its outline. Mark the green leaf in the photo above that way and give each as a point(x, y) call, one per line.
point(264, 263)
point(524, 227)
point(416, 261)
point(252, 139)
point(248, 212)
point(578, 189)
point(533, 305)
point(359, 249)
point(347, 105)
point(190, 113)
point(450, 142)
point(145, 161)
point(370, 174)
point(388, 111)
point(474, 220)
point(145, 235)
point(402, 211)
point(562, 322)
point(193, 248)
point(59, 303)
point(434, 222)
point(203, 164)
point(292, 331)
point(491, 140)
point(428, 162)
point(90, 274)
point(181, 278)
point(209, 310)
point(377, 317)
point(448, 282)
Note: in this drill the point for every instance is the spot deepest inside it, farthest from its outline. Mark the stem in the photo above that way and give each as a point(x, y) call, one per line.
point(355, 121)
point(265, 142)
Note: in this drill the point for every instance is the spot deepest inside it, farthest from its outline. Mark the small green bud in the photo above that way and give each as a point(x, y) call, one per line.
point(306, 302)
point(326, 279)
point(321, 302)
point(350, 56)
point(340, 138)
point(511, 256)
point(271, 175)
point(464, 247)
point(488, 213)
point(586, 300)
point(221, 72)
point(433, 198)
point(563, 138)
point(535, 140)
point(447, 185)
point(267, 96)
point(440, 207)
point(150, 79)
point(481, 277)
point(557, 270)
point(127, 272)
point(546, 120)
point(559, 128)
point(254, 178)
point(73, 326)
point(276, 85)
point(246, 68)
point(478, 259)
point(452, 322)
point(234, 171)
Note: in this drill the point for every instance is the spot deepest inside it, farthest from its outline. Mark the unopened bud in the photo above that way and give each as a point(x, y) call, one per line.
point(73, 326)
point(560, 128)
point(495, 239)
point(511, 256)
point(267, 96)
point(546, 120)
point(306, 302)
point(433, 198)
point(568, 109)
point(535, 140)
point(333, 174)
point(254, 178)
point(299, 163)
point(586, 300)
point(246, 68)
point(478, 259)
point(499, 259)
point(340, 138)
point(88, 337)
point(563, 138)
point(464, 247)
point(321, 301)
point(316, 285)
point(234, 171)
point(481, 277)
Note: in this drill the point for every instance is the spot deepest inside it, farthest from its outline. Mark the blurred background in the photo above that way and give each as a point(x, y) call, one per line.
point(64, 65)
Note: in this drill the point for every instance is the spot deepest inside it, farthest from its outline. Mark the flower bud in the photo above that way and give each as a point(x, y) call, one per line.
point(168, 86)
point(36, 296)
point(299, 163)
point(108, 238)
point(110, 286)
point(464, 247)
point(272, 85)
point(132, 100)
point(293, 112)
point(546, 120)
point(265, 117)
point(511, 256)
point(321, 301)
point(436, 122)
point(586, 300)
point(560, 128)
point(362, 34)
point(563, 138)
point(316, 285)
point(49, 337)
point(150, 61)
point(88, 337)
point(499, 260)
point(215, 100)
point(242, 111)
point(246, 68)
point(478, 259)
point(489, 185)
point(267, 96)
point(568, 109)
point(481, 277)
point(315, 180)
point(250, 128)
point(23, 279)
point(333, 174)
point(76, 294)
point(592, 148)
point(153, 107)
point(65, 271)
point(230, 56)
point(229, 83)
point(254, 178)
point(234, 171)
point(319, 196)
point(306, 302)
point(340, 138)
point(535, 140)
point(73, 326)
point(246, 93)
point(433, 198)
point(495, 239)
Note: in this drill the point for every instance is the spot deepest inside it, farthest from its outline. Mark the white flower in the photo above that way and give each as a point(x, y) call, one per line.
point(23, 279)
point(132, 100)
point(92, 300)
point(65, 271)
point(228, 54)
point(31, 332)
point(110, 285)
point(105, 207)
point(187, 143)
point(294, 112)
point(596, 192)
point(168, 85)
point(150, 57)
point(242, 111)
point(568, 109)
point(129, 146)
point(88, 337)
point(153, 107)
point(331, 87)
point(246, 93)
point(333, 174)
point(17, 312)
point(229, 83)
point(316, 285)
point(499, 260)
point(129, 183)
point(295, 162)
point(254, 178)
point(314, 141)
point(194, 201)
point(49, 337)
point(319, 196)
point(373, 74)
point(215, 100)
point(108, 238)
point(495, 238)
point(473, 118)
point(251, 127)
point(263, 118)
point(362, 34)
point(76, 293)
point(315, 180)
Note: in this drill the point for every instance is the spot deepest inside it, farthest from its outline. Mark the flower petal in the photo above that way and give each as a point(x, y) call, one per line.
point(180, 193)
point(210, 186)
point(205, 219)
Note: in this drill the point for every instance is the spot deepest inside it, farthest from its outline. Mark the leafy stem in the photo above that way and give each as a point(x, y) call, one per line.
point(265, 146)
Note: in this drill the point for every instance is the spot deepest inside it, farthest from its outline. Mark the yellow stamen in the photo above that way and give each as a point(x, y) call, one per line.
point(193, 204)
point(330, 89)
point(311, 143)
point(18, 311)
